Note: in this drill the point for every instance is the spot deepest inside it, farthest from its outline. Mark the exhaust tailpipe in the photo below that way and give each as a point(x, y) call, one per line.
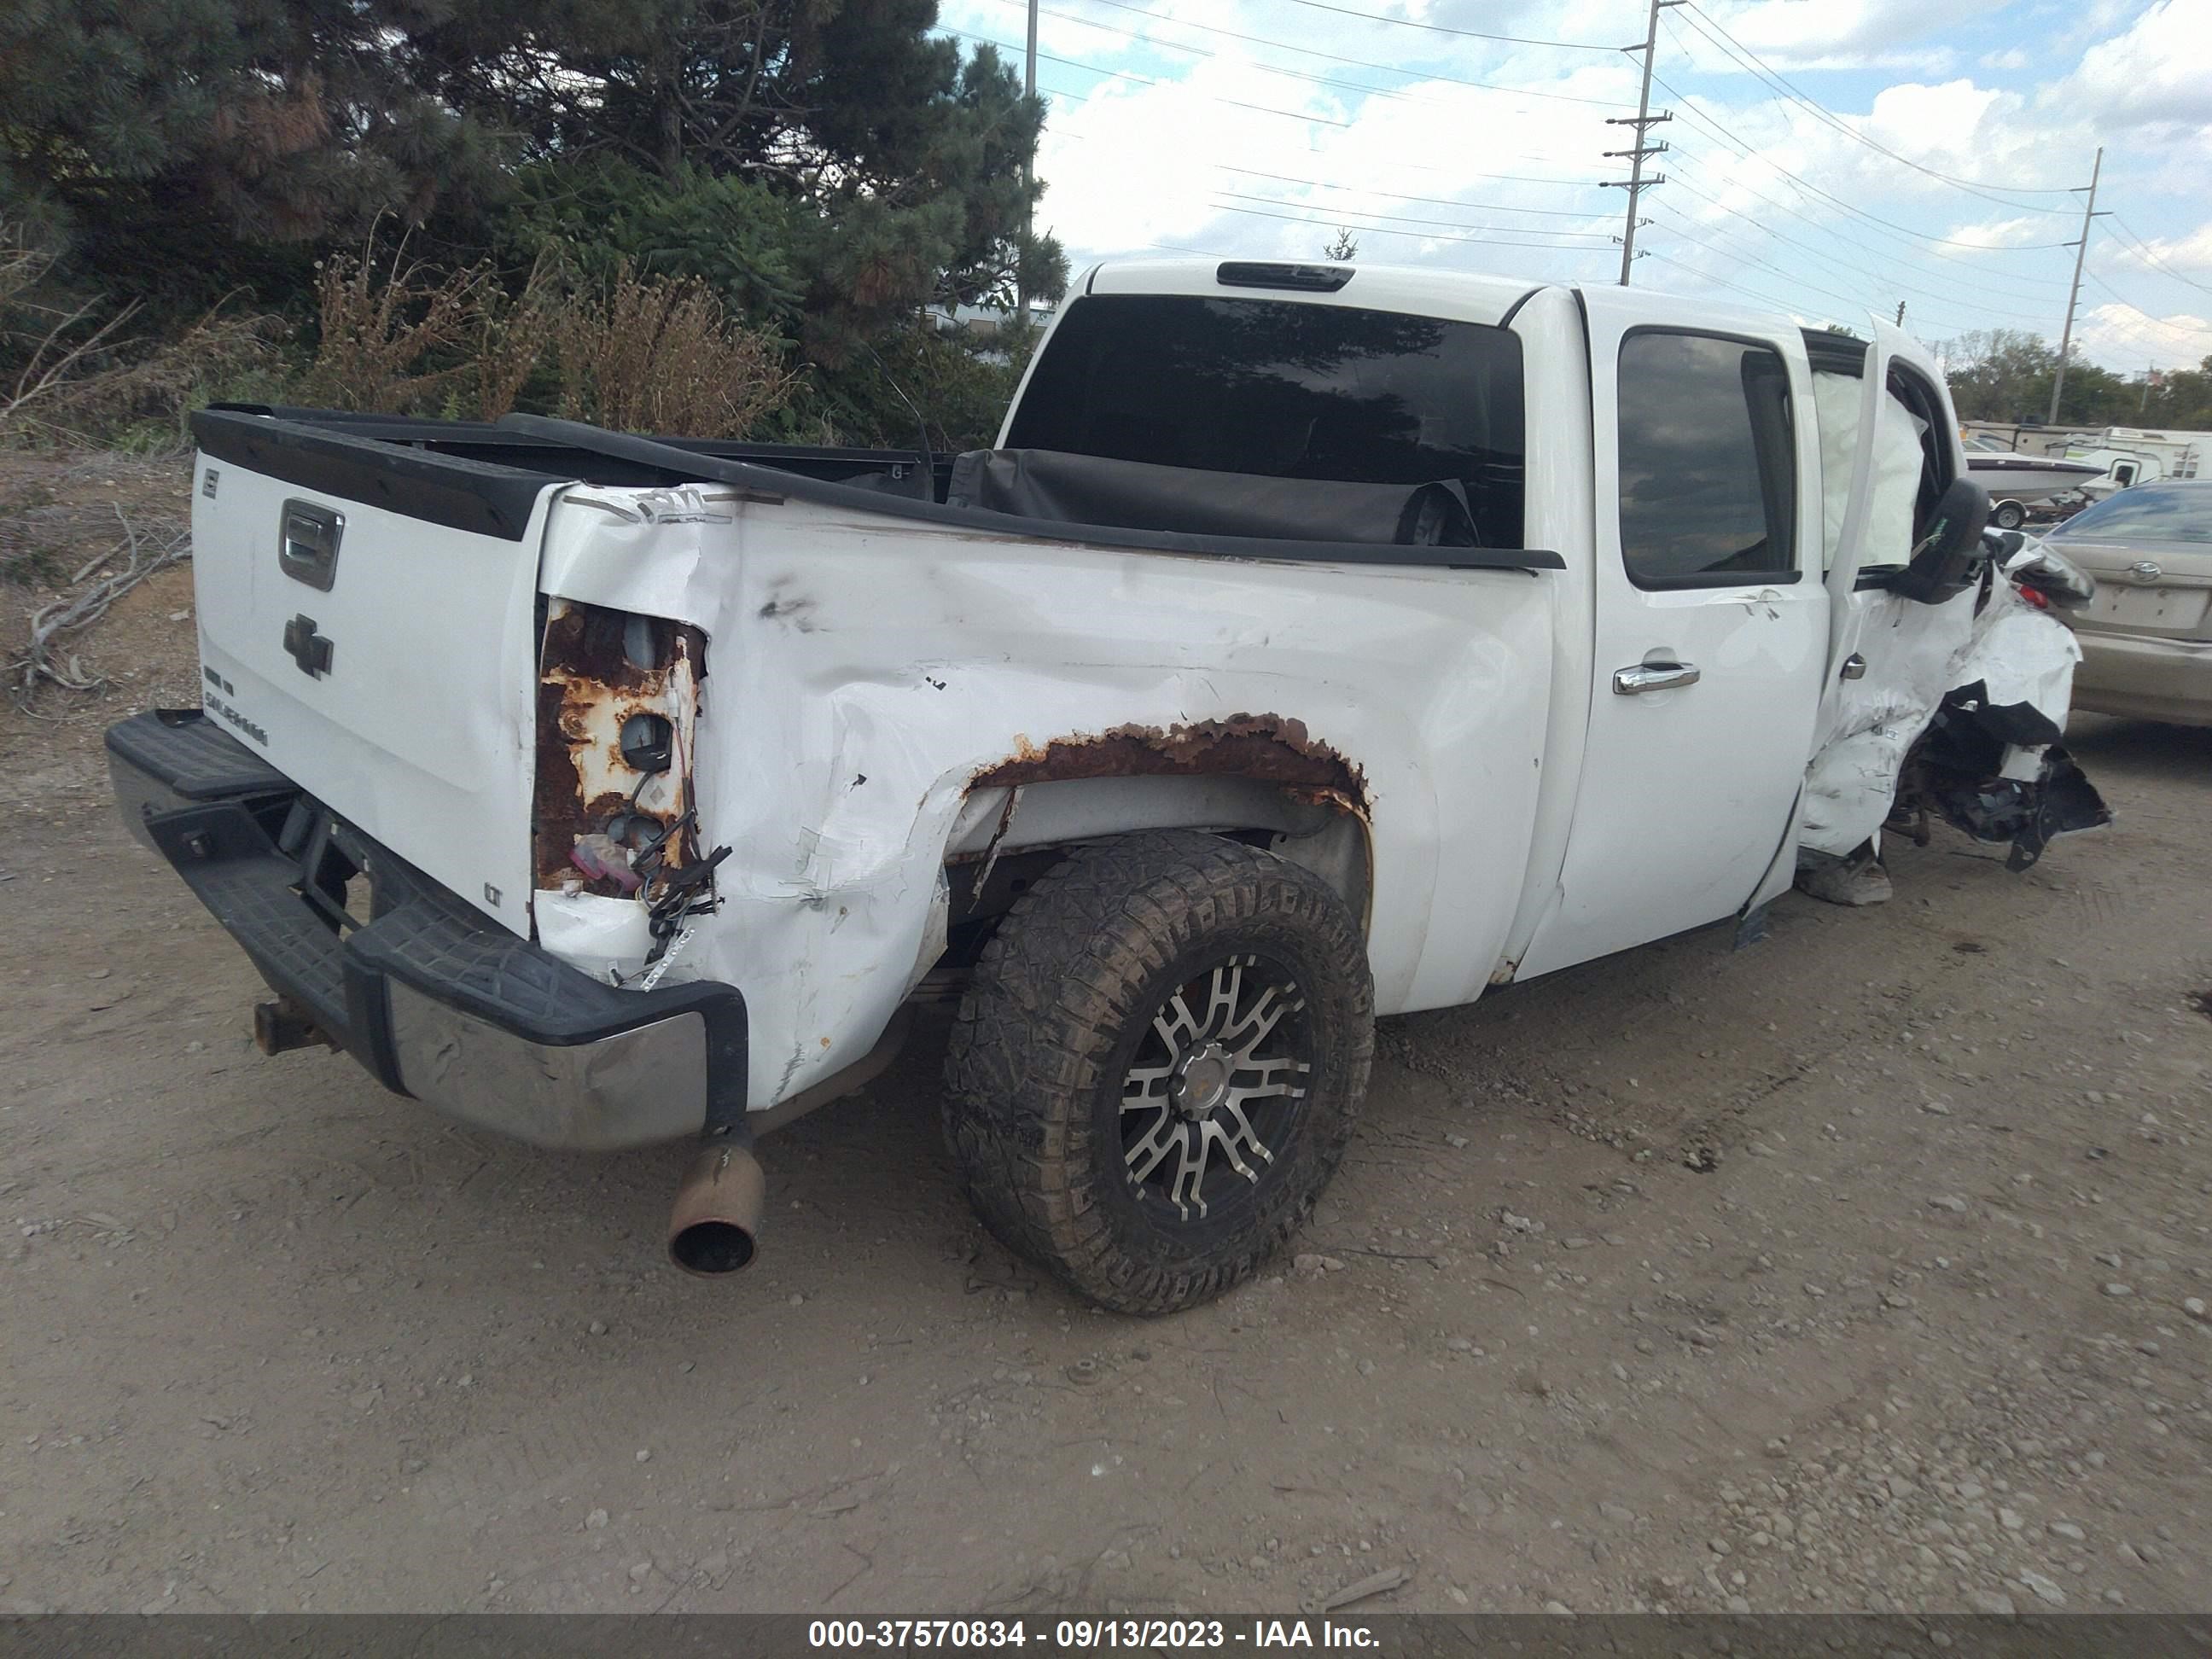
point(711, 1229)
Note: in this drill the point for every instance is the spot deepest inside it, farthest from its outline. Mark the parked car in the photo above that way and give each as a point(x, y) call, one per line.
point(1320, 643)
point(2147, 634)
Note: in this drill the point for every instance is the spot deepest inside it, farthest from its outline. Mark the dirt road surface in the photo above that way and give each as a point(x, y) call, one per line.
point(1864, 1268)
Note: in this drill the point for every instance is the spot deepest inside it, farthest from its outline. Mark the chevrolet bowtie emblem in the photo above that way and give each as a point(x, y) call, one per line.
point(311, 650)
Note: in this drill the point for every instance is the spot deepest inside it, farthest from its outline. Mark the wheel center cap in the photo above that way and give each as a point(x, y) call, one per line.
point(1201, 1079)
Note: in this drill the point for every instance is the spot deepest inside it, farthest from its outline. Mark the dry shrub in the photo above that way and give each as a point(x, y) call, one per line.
point(75, 379)
point(160, 382)
point(659, 356)
point(379, 327)
point(513, 337)
point(21, 265)
point(48, 346)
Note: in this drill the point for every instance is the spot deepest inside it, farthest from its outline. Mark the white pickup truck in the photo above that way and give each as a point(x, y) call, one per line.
point(1319, 643)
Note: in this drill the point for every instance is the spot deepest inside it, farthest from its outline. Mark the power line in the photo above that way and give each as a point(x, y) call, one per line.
point(1263, 69)
point(1743, 54)
point(2144, 248)
point(2135, 333)
point(1740, 147)
point(1416, 235)
point(1432, 201)
point(1751, 259)
point(2152, 317)
point(1149, 80)
point(1885, 281)
point(1766, 301)
point(1464, 35)
point(1323, 214)
point(1067, 135)
point(1826, 227)
point(1404, 219)
point(1302, 52)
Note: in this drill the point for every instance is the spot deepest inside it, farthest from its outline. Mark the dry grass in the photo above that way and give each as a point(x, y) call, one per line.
point(651, 354)
point(379, 326)
point(638, 354)
point(659, 356)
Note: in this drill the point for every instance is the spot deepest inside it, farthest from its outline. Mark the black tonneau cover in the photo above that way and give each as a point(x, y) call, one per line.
point(368, 459)
point(1093, 490)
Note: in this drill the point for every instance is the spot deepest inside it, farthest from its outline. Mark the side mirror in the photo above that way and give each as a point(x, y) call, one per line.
point(1942, 563)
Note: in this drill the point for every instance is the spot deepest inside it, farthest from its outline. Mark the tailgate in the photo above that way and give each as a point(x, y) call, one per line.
point(367, 624)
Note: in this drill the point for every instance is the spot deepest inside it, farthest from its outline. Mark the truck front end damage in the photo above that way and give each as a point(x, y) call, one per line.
point(1950, 679)
point(1956, 715)
point(1988, 762)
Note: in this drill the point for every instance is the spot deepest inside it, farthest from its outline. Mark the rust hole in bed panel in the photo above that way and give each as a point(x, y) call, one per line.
point(590, 681)
point(1267, 747)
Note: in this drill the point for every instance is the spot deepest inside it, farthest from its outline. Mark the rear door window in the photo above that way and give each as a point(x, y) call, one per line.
point(1708, 464)
point(1288, 389)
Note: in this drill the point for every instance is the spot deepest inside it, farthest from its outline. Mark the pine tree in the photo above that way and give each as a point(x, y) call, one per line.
point(169, 146)
point(897, 164)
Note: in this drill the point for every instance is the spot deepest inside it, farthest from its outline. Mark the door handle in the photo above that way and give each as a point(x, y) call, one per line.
point(1652, 677)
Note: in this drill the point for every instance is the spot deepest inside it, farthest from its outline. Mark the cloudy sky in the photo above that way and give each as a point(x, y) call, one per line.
point(1831, 157)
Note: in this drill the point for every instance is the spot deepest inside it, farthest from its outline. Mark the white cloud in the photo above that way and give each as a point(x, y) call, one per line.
point(2003, 232)
point(1789, 34)
point(2117, 333)
point(1811, 217)
point(2190, 253)
point(2156, 71)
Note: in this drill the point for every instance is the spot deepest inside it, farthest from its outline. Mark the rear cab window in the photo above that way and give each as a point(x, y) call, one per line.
point(1286, 389)
point(1708, 461)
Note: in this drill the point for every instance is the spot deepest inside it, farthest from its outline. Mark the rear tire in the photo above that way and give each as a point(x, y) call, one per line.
point(1156, 1068)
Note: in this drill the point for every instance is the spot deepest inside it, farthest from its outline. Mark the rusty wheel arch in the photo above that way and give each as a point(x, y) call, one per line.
point(1267, 748)
point(1278, 753)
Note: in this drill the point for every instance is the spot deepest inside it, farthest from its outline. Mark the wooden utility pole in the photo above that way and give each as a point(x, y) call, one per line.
point(1644, 121)
point(2074, 294)
point(1029, 175)
point(1900, 313)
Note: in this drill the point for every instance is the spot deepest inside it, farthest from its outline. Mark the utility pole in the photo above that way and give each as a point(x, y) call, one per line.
point(1029, 175)
point(1900, 313)
point(2081, 252)
point(1635, 184)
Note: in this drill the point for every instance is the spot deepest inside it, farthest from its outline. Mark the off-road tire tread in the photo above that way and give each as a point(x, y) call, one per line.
point(1047, 1002)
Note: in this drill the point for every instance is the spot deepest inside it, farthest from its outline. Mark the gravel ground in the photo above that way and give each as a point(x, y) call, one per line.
point(1862, 1269)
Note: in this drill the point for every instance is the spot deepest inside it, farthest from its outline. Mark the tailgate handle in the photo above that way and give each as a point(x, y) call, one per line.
point(308, 544)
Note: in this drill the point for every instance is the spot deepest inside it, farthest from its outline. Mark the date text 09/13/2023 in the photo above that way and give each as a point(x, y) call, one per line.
point(1088, 1635)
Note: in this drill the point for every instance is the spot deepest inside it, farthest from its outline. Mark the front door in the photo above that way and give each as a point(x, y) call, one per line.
point(1710, 629)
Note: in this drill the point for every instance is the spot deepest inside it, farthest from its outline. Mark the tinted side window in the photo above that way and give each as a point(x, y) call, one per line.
point(1285, 390)
point(1708, 467)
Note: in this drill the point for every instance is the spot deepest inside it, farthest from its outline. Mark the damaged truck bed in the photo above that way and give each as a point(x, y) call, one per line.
point(1318, 643)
